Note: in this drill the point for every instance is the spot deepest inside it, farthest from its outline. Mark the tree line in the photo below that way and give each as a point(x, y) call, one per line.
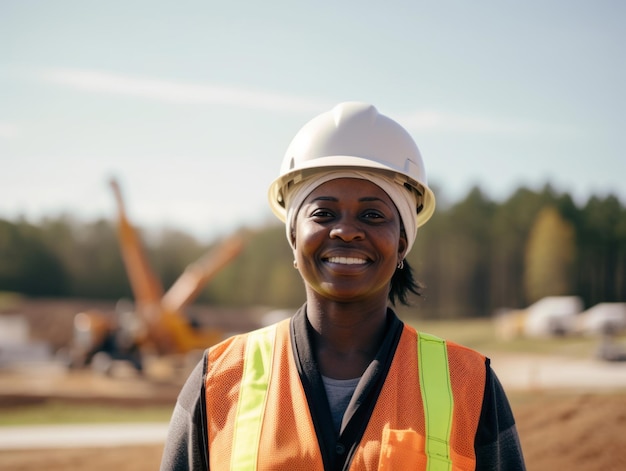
point(474, 257)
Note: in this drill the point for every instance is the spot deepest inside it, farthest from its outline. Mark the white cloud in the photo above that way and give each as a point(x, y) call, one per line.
point(437, 121)
point(180, 92)
point(8, 130)
point(177, 92)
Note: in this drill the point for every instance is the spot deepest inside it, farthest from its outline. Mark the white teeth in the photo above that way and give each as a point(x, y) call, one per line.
point(347, 260)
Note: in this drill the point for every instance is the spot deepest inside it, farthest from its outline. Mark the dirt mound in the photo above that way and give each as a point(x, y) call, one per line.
point(572, 432)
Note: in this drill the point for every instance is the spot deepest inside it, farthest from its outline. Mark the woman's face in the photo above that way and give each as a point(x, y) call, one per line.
point(348, 240)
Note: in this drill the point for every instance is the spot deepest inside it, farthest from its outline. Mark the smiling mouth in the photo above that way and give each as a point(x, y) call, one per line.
point(347, 260)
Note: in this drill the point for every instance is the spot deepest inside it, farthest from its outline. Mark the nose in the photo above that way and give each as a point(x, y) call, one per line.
point(346, 231)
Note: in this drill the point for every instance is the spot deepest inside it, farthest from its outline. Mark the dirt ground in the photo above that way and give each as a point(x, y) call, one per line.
point(559, 429)
point(138, 458)
point(573, 432)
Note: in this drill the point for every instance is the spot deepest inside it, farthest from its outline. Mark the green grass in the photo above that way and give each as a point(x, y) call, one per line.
point(63, 412)
point(9, 299)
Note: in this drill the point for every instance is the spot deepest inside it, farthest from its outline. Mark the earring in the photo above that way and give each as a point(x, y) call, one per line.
point(401, 264)
point(295, 264)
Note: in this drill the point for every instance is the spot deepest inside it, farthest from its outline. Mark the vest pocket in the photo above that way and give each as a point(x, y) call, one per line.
point(401, 450)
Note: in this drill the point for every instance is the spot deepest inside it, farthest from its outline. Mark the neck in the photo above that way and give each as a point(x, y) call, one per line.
point(346, 336)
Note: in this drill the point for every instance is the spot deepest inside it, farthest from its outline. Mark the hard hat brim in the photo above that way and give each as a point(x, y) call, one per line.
point(346, 162)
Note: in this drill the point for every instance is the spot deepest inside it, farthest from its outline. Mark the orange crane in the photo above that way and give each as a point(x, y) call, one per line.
point(158, 323)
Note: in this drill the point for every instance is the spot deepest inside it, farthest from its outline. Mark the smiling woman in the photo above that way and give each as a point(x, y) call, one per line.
point(344, 383)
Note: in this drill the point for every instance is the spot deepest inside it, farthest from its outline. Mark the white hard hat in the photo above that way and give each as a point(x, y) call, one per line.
point(353, 135)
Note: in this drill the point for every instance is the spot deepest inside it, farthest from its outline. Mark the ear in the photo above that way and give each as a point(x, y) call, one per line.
point(402, 246)
point(292, 238)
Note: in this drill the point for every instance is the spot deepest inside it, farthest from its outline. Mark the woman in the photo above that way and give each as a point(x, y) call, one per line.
point(344, 384)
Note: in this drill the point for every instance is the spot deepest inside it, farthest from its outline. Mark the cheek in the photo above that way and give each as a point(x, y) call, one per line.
point(305, 230)
point(393, 240)
point(307, 238)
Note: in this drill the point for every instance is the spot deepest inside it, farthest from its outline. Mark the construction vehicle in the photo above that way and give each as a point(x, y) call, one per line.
point(156, 324)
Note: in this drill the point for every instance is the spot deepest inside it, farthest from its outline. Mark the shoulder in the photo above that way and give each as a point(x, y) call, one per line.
point(456, 352)
point(232, 350)
point(466, 356)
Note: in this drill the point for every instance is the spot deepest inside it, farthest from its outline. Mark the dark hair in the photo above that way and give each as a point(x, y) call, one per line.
point(402, 283)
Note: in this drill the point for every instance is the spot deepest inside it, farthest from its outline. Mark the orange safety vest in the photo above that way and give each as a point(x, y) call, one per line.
point(425, 418)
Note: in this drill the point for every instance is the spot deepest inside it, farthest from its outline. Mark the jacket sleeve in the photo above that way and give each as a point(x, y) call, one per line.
point(497, 443)
point(186, 443)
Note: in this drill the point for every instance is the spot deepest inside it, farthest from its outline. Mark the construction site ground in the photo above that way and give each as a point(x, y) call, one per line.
point(571, 414)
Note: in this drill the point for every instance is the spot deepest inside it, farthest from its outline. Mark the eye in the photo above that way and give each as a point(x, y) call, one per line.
point(321, 213)
point(374, 215)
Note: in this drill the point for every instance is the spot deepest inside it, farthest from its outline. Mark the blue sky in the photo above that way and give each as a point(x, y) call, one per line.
point(191, 104)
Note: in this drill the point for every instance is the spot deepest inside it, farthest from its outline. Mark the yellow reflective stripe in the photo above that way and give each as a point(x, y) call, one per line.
point(434, 377)
point(257, 368)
